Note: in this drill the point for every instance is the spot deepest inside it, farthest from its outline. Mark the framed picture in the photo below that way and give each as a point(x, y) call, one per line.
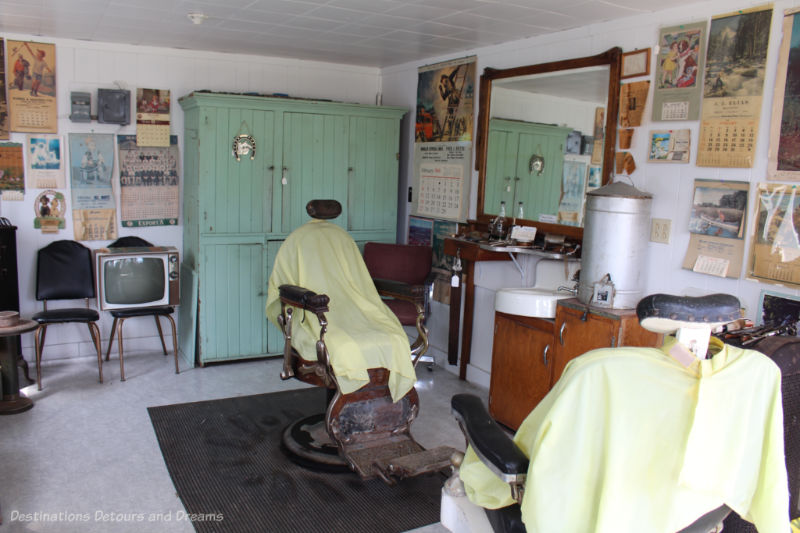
point(636, 63)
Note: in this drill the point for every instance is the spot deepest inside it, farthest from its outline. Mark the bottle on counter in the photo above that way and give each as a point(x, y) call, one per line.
point(499, 226)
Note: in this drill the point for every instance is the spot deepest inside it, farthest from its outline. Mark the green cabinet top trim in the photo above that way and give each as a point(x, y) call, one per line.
point(197, 99)
point(520, 126)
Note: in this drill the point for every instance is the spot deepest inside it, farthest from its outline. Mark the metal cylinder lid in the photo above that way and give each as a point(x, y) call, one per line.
point(619, 189)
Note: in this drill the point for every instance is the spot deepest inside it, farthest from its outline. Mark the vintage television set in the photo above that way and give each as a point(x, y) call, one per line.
point(137, 277)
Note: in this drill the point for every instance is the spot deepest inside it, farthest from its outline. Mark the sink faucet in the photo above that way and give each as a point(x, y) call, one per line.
point(574, 289)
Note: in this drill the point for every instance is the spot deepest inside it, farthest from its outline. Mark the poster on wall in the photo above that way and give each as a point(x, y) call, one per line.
point(445, 101)
point(45, 162)
point(679, 72)
point(443, 134)
point(12, 172)
point(152, 117)
point(420, 231)
point(3, 94)
point(784, 136)
point(148, 177)
point(32, 91)
point(775, 251)
point(573, 192)
point(442, 172)
point(716, 226)
point(733, 88)
point(91, 165)
point(49, 208)
point(670, 146)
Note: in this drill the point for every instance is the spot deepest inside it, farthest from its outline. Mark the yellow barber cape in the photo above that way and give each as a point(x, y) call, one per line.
point(362, 331)
point(629, 440)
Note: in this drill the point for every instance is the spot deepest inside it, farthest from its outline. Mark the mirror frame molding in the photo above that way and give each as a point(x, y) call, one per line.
point(612, 58)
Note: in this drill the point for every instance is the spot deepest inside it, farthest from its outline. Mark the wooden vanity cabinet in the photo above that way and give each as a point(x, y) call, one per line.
point(522, 365)
point(579, 329)
point(529, 354)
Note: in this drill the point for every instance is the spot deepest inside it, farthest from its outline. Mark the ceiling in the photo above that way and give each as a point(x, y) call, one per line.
point(376, 33)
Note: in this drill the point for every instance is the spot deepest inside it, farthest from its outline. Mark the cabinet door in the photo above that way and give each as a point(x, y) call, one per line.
point(235, 196)
point(275, 340)
point(314, 165)
point(521, 367)
point(577, 332)
point(372, 172)
point(232, 292)
point(540, 194)
point(501, 170)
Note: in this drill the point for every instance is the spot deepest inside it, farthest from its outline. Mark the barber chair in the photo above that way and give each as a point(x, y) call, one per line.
point(625, 485)
point(354, 346)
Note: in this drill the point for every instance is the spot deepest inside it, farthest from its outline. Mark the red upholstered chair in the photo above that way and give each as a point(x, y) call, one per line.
point(395, 265)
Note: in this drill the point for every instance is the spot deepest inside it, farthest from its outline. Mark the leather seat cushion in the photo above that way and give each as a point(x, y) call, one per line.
point(60, 316)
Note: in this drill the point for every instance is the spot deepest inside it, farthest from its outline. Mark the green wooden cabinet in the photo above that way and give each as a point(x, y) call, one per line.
point(237, 213)
point(508, 174)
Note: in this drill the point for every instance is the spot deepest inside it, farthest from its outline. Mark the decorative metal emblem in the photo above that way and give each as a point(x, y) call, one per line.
point(244, 144)
point(536, 164)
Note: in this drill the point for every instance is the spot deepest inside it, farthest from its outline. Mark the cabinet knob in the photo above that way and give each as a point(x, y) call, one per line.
point(561, 333)
point(544, 354)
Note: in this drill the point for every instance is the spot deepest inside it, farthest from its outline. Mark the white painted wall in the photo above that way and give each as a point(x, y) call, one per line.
point(87, 66)
point(671, 185)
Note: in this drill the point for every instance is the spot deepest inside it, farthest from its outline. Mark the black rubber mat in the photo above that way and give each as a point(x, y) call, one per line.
point(225, 460)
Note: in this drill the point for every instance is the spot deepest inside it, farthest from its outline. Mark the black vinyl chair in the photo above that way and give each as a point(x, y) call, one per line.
point(64, 272)
point(120, 315)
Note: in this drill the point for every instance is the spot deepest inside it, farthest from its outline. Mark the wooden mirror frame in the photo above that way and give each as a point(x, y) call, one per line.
point(612, 58)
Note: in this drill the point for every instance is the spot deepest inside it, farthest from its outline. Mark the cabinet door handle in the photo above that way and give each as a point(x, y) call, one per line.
point(284, 181)
point(561, 333)
point(544, 354)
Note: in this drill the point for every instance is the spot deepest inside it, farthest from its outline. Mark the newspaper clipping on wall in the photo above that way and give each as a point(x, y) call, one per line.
point(443, 132)
point(32, 92)
point(734, 84)
point(679, 72)
point(91, 165)
point(784, 137)
point(148, 177)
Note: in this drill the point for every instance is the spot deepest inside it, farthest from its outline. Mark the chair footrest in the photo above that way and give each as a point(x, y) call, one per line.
point(415, 464)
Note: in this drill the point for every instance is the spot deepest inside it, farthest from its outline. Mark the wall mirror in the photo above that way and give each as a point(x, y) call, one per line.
point(546, 134)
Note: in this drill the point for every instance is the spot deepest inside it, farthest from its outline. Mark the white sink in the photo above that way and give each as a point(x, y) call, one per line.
point(530, 301)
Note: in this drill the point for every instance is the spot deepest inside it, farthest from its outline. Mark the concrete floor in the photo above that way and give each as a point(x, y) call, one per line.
point(86, 455)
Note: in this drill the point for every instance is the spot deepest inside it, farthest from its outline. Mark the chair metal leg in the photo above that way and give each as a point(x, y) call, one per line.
point(161, 333)
point(38, 341)
point(111, 339)
point(174, 342)
point(119, 342)
point(95, 333)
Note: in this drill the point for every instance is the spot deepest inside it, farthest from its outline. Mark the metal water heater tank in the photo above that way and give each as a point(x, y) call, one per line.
point(615, 236)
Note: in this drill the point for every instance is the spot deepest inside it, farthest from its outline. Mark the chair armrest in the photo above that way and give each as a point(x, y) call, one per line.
point(491, 443)
point(400, 290)
point(303, 298)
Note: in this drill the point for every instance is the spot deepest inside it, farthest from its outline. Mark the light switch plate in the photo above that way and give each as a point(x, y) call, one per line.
point(660, 230)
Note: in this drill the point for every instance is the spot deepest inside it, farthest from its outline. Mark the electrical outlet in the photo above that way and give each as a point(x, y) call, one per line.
point(660, 229)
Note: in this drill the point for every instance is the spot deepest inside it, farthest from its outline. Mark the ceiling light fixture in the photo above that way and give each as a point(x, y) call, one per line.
point(197, 18)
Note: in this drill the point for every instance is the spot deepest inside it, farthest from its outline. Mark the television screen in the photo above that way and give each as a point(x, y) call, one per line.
point(134, 280)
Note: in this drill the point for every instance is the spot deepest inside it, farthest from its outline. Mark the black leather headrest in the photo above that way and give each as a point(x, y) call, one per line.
point(324, 209)
point(665, 313)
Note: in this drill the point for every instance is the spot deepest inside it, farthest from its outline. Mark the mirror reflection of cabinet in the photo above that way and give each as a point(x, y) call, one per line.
point(509, 176)
point(547, 93)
